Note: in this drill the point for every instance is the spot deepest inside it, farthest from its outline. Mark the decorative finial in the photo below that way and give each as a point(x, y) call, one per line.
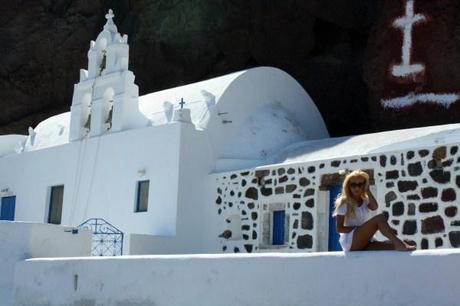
point(109, 16)
point(110, 25)
point(182, 102)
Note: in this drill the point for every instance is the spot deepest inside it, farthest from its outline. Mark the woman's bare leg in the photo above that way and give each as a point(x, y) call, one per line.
point(379, 246)
point(365, 232)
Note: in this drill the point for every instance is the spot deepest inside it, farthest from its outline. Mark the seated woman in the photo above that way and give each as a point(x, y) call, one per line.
point(353, 218)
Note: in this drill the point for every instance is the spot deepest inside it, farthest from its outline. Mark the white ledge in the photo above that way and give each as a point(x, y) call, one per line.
point(428, 277)
point(244, 256)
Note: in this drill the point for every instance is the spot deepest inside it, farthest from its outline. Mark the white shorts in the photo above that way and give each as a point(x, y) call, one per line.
point(346, 240)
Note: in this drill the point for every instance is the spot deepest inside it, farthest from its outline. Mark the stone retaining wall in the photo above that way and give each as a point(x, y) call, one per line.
point(416, 190)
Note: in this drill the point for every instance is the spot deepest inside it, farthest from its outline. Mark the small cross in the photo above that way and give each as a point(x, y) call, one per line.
point(182, 102)
point(109, 16)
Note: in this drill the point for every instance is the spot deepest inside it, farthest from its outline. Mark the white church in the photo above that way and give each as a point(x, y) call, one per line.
point(239, 163)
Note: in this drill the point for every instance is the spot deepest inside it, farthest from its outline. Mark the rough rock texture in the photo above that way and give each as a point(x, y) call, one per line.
point(339, 50)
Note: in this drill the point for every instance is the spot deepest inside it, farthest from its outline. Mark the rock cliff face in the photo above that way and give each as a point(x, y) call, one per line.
point(341, 51)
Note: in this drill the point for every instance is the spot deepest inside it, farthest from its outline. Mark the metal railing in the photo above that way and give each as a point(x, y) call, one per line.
point(107, 240)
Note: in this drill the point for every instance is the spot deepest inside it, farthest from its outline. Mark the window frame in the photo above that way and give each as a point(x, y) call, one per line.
point(266, 234)
point(51, 204)
point(137, 206)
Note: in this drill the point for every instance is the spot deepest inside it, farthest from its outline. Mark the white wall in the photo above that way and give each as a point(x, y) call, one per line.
point(19, 240)
point(362, 278)
point(195, 226)
point(100, 176)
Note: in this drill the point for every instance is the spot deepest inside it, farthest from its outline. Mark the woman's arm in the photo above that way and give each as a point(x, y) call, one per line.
point(373, 205)
point(339, 225)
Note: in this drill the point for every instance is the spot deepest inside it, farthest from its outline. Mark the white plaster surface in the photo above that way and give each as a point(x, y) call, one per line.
point(383, 142)
point(99, 177)
point(195, 224)
point(20, 240)
point(443, 99)
point(10, 143)
point(50, 132)
point(363, 278)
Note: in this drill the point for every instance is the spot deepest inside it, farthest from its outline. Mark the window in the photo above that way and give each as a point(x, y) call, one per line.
point(55, 207)
point(8, 205)
point(142, 198)
point(278, 229)
point(275, 226)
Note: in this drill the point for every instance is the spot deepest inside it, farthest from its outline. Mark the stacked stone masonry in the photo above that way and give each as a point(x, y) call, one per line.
point(417, 191)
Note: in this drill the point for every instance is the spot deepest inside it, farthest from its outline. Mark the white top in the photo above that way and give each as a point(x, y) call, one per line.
point(362, 214)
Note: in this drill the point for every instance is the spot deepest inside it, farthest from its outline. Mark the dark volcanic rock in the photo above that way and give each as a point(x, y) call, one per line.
point(429, 192)
point(432, 225)
point(410, 227)
point(454, 238)
point(307, 220)
point(45, 43)
point(305, 242)
point(398, 208)
point(339, 50)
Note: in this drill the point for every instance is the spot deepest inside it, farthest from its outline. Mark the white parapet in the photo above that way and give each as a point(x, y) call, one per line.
point(22, 240)
point(362, 278)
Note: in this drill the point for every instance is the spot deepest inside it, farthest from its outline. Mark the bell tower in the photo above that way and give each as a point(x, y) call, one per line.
point(106, 98)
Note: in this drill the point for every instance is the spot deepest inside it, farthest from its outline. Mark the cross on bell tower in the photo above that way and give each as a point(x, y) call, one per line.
point(110, 25)
point(182, 114)
point(106, 98)
point(109, 16)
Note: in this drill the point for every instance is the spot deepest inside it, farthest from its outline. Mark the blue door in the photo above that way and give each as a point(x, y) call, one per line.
point(278, 227)
point(7, 210)
point(334, 244)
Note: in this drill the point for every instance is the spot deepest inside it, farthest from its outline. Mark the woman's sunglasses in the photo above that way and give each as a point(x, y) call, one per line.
point(359, 185)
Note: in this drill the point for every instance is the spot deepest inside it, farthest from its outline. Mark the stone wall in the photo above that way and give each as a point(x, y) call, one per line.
point(416, 190)
point(245, 193)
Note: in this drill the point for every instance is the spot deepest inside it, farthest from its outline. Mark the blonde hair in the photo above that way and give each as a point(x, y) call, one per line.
point(345, 198)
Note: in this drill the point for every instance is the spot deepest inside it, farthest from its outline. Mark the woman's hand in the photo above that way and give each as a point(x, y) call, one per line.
point(340, 227)
point(372, 205)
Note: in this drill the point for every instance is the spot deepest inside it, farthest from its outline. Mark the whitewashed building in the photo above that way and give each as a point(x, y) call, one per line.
point(239, 163)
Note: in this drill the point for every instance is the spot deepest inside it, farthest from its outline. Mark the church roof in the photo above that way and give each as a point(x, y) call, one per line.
point(198, 97)
point(367, 144)
point(8, 143)
point(54, 131)
point(248, 98)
